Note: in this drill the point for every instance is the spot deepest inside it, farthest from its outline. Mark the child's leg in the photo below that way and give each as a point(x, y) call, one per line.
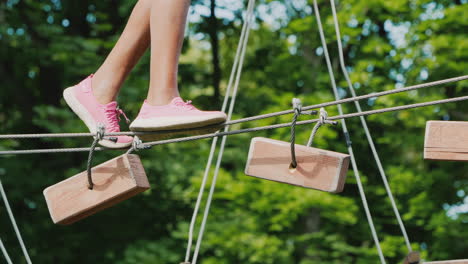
point(168, 19)
point(129, 48)
point(163, 108)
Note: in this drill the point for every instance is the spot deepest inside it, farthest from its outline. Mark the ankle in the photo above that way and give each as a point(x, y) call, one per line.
point(159, 100)
point(162, 97)
point(103, 90)
point(102, 98)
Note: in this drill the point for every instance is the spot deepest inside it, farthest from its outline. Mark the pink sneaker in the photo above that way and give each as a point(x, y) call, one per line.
point(81, 100)
point(176, 115)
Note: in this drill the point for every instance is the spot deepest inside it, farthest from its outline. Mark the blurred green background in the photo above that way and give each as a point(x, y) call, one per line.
point(48, 45)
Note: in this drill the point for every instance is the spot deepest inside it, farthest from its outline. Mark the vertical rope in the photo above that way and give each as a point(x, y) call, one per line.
point(5, 253)
point(312, 134)
point(366, 129)
point(100, 131)
point(297, 106)
point(13, 222)
point(235, 67)
point(346, 133)
point(248, 22)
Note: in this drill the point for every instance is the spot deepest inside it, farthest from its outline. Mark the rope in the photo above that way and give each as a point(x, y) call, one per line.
point(297, 106)
point(247, 130)
point(345, 131)
point(338, 117)
point(137, 144)
point(297, 111)
point(323, 120)
point(213, 147)
point(5, 253)
point(15, 227)
point(235, 71)
point(199, 197)
point(248, 22)
point(353, 99)
point(366, 129)
point(42, 151)
point(99, 136)
point(246, 119)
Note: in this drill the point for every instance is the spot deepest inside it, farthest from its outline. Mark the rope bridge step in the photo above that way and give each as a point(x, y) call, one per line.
point(412, 258)
point(459, 261)
point(115, 180)
point(316, 168)
point(446, 140)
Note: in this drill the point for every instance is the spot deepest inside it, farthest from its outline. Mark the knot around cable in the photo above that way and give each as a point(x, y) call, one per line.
point(137, 144)
point(323, 119)
point(100, 132)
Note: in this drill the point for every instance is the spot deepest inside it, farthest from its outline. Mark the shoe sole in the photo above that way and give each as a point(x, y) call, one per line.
point(196, 131)
point(197, 126)
point(86, 117)
point(175, 123)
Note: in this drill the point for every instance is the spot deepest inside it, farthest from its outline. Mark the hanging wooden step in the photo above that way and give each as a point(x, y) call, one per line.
point(317, 168)
point(459, 261)
point(412, 258)
point(114, 181)
point(446, 140)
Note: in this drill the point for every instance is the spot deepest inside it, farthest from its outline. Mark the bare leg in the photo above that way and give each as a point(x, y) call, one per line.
point(168, 18)
point(161, 111)
point(128, 50)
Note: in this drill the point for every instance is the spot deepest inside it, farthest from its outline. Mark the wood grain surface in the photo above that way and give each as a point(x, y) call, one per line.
point(317, 168)
point(114, 181)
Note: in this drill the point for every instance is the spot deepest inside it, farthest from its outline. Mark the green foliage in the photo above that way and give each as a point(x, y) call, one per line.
point(387, 44)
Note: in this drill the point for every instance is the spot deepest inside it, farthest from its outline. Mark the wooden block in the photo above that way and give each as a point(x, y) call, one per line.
point(446, 140)
point(412, 258)
point(114, 181)
point(449, 156)
point(459, 261)
point(317, 168)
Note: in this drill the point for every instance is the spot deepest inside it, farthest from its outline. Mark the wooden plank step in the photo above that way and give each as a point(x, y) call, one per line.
point(446, 140)
point(412, 258)
point(317, 168)
point(459, 261)
point(114, 181)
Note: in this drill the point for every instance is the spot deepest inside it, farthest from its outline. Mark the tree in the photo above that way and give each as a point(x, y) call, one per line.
point(387, 45)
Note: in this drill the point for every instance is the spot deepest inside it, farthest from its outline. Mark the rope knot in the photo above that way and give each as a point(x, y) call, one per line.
point(137, 144)
point(324, 118)
point(100, 131)
point(297, 105)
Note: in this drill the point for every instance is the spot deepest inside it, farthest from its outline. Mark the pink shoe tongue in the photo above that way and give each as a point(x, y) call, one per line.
point(111, 105)
point(177, 100)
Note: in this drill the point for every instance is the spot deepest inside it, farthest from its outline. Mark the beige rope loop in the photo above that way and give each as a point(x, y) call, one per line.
point(100, 132)
point(323, 119)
